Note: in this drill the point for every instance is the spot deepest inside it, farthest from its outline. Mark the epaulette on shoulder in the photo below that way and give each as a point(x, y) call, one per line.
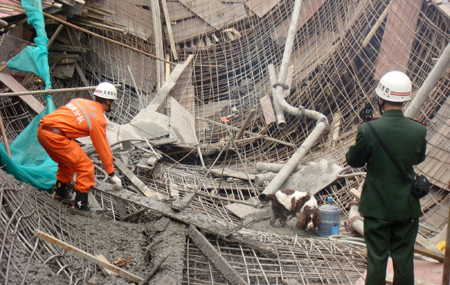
point(416, 121)
point(371, 119)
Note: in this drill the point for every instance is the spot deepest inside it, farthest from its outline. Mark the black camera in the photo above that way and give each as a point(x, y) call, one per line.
point(367, 113)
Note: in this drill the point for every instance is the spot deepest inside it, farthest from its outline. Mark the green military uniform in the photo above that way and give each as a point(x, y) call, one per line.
point(390, 210)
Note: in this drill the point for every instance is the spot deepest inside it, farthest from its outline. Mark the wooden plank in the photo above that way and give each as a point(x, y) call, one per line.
point(261, 7)
point(104, 270)
point(186, 216)
point(267, 108)
point(15, 86)
point(232, 173)
point(355, 193)
point(87, 256)
point(84, 80)
point(428, 253)
point(159, 98)
point(246, 124)
point(376, 26)
point(137, 182)
point(169, 29)
point(55, 34)
point(215, 257)
point(420, 240)
point(157, 29)
point(216, 13)
point(398, 37)
point(67, 48)
point(3, 65)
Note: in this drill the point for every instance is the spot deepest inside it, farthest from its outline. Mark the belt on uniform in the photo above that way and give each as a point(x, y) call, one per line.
point(53, 130)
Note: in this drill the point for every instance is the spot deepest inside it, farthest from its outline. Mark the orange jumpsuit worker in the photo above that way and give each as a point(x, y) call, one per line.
point(56, 134)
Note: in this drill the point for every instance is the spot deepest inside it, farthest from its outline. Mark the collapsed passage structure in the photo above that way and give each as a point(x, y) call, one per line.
point(189, 146)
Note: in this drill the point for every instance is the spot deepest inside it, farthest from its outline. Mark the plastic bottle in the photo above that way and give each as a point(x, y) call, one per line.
point(330, 216)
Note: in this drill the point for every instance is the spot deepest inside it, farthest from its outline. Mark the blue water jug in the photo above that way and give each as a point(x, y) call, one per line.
point(330, 216)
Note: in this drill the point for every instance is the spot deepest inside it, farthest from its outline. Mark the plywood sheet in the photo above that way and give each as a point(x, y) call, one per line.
point(189, 29)
point(398, 37)
point(135, 14)
point(178, 11)
point(261, 7)
point(307, 10)
point(436, 165)
point(216, 13)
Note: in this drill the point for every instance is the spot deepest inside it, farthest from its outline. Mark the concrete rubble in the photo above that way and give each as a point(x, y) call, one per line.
point(217, 108)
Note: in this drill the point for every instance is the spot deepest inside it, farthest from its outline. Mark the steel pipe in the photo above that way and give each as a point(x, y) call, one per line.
point(430, 82)
point(292, 163)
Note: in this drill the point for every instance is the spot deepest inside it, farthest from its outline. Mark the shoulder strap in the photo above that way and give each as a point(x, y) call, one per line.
point(403, 172)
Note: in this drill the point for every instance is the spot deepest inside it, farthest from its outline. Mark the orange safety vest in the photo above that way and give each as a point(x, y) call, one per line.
point(82, 118)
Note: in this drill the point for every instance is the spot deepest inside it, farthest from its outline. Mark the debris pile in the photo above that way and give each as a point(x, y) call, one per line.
point(197, 140)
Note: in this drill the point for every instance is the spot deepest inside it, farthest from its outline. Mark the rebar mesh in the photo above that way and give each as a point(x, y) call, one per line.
point(338, 56)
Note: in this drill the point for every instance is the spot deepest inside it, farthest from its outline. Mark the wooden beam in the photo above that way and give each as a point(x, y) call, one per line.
point(157, 31)
point(87, 256)
point(355, 193)
point(105, 38)
point(83, 78)
point(23, 94)
point(169, 29)
point(5, 138)
point(376, 26)
point(55, 34)
point(3, 65)
point(215, 257)
point(137, 182)
point(246, 123)
point(232, 173)
point(428, 253)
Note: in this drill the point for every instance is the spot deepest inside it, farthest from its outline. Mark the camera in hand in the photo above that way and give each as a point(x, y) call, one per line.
point(367, 113)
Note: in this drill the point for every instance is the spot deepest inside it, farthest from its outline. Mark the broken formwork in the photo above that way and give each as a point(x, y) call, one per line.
point(337, 47)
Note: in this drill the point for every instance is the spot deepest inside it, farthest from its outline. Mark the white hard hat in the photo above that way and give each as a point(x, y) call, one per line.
point(394, 86)
point(106, 90)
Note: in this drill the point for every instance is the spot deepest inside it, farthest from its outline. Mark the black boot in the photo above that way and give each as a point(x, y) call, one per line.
point(81, 204)
point(61, 192)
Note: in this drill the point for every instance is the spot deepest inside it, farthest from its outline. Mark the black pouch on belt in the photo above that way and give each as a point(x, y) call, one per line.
point(421, 186)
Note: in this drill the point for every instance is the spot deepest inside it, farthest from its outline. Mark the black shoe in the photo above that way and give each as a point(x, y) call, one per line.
point(80, 211)
point(81, 204)
point(61, 193)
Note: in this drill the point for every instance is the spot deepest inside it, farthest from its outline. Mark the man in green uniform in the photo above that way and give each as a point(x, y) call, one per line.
point(390, 210)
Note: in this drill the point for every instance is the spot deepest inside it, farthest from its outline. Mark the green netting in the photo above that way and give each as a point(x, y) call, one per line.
point(30, 163)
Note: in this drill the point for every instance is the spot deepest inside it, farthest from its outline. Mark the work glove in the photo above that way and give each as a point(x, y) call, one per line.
point(116, 181)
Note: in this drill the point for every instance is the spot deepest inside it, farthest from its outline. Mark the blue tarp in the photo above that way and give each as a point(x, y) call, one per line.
point(30, 163)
